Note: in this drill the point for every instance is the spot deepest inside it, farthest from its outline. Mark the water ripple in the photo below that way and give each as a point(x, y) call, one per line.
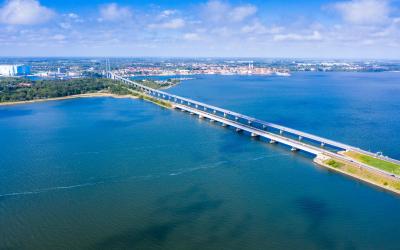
point(118, 179)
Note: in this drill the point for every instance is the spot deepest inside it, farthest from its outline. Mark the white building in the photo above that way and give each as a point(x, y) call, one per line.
point(14, 70)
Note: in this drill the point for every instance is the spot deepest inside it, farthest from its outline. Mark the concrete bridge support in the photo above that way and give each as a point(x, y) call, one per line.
point(254, 135)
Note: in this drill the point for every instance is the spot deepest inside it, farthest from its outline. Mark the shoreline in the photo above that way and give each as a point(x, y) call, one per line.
point(320, 161)
point(87, 95)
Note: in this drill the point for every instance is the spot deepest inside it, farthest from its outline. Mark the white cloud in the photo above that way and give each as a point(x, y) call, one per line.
point(58, 37)
point(114, 12)
point(24, 12)
point(175, 23)
point(364, 11)
point(258, 28)
point(240, 13)
point(167, 13)
point(65, 25)
point(217, 11)
point(315, 36)
point(73, 15)
point(191, 37)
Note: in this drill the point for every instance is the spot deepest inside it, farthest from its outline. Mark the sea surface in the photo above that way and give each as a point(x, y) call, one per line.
point(104, 173)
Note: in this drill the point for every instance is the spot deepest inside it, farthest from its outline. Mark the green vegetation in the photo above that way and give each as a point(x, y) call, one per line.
point(158, 84)
point(155, 100)
point(334, 163)
point(375, 162)
point(19, 89)
point(364, 174)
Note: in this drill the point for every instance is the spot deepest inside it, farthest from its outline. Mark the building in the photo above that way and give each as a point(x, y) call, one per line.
point(14, 70)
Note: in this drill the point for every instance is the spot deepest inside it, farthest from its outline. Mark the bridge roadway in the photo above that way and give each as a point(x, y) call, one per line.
point(250, 124)
point(295, 144)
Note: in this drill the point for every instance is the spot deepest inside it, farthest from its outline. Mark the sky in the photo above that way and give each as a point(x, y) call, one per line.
point(353, 29)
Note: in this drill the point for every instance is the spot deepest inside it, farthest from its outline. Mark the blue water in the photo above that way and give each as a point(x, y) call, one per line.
point(107, 173)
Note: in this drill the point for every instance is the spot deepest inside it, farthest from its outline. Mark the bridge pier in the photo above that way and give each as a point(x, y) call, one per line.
point(296, 140)
point(254, 135)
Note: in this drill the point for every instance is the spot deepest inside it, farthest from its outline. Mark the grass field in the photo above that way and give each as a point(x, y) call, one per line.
point(364, 174)
point(375, 162)
point(334, 163)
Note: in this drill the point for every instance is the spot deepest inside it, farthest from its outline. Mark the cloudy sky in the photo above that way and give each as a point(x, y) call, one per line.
point(259, 28)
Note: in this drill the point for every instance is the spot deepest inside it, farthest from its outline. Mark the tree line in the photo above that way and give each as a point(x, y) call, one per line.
point(20, 89)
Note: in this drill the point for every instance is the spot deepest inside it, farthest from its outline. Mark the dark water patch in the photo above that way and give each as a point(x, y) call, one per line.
point(192, 202)
point(199, 207)
point(316, 213)
point(154, 235)
point(229, 144)
point(175, 198)
point(9, 113)
point(122, 122)
point(314, 209)
point(10, 248)
point(241, 227)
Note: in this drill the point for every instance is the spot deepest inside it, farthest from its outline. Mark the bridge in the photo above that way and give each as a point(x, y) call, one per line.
point(274, 133)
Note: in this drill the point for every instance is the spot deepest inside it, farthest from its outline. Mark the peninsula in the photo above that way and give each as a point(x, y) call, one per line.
point(20, 90)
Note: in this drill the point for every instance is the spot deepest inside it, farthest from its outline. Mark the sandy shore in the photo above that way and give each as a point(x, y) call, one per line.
point(89, 95)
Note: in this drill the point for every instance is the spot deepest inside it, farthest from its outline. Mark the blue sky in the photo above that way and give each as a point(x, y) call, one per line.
point(209, 28)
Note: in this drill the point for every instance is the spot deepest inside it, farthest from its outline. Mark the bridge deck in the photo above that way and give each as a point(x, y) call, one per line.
point(218, 113)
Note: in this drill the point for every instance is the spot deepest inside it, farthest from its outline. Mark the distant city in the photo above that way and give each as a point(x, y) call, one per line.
point(69, 68)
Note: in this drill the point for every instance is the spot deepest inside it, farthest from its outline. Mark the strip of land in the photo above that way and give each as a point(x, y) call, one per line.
point(372, 177)
point(376, 162)
point(88, 95)
point(15, 91)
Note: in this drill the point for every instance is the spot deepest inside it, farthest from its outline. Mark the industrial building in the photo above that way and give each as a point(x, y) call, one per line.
point(14, 70)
